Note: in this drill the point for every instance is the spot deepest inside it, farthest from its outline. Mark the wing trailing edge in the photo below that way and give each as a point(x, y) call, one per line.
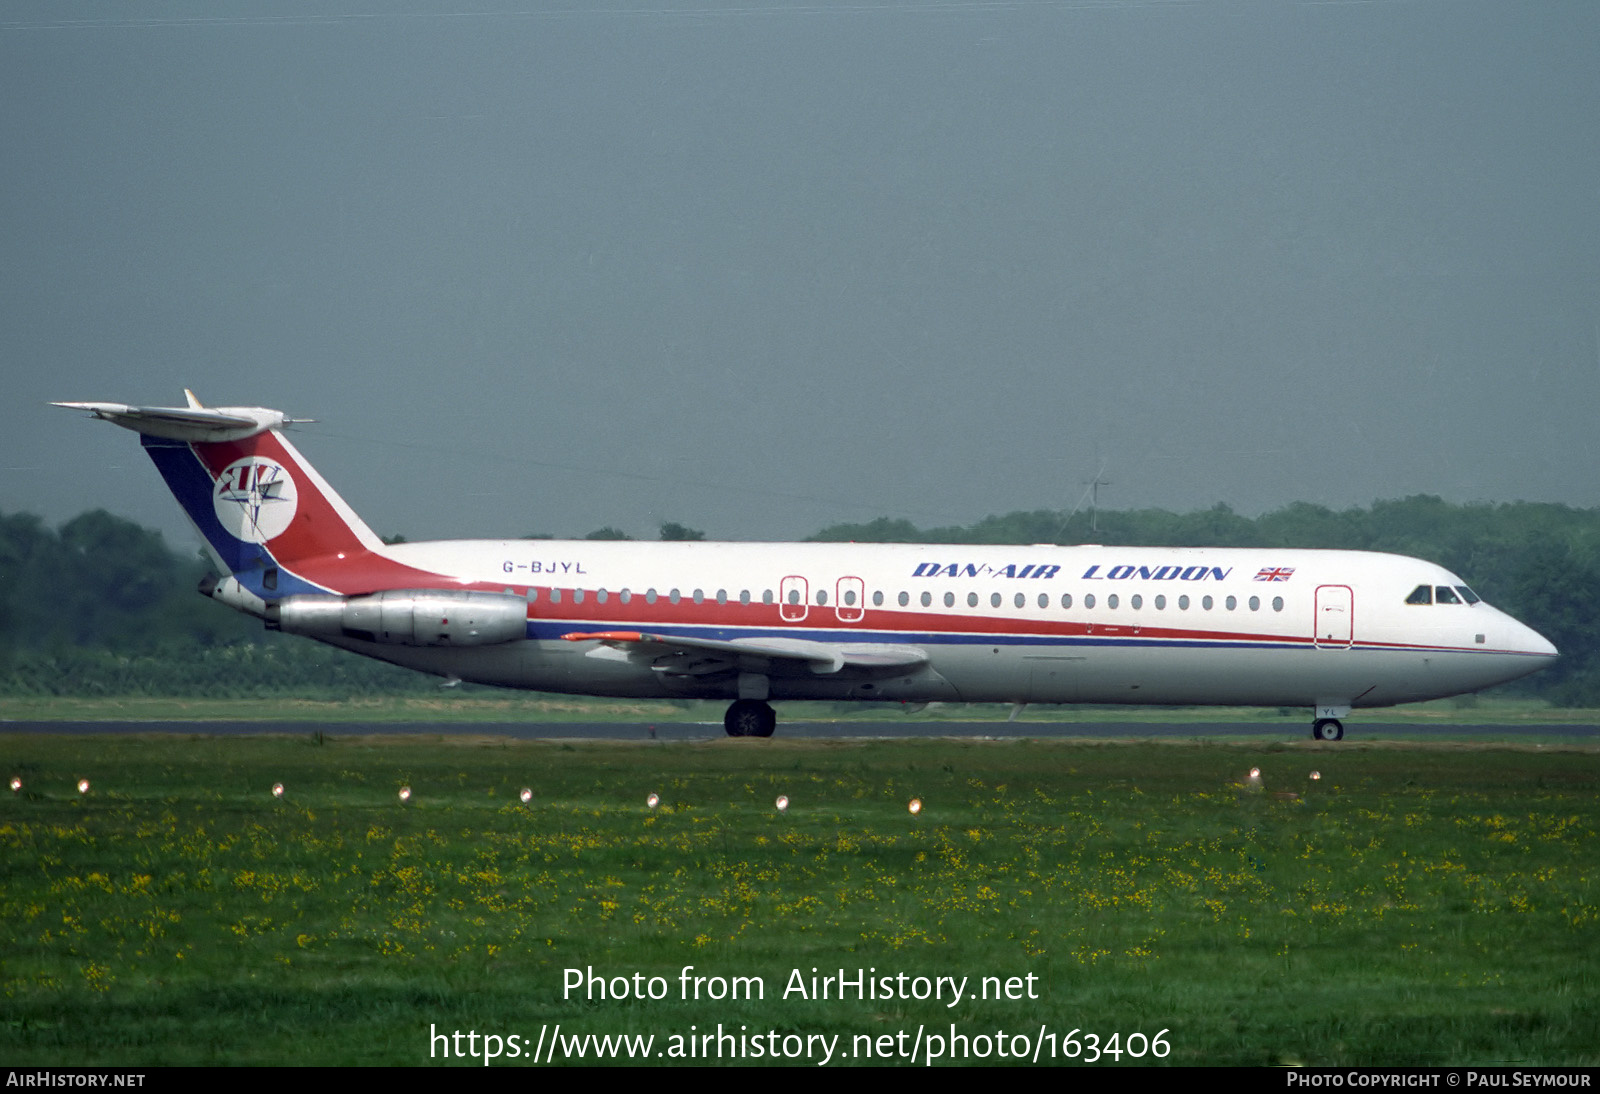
point(819, 657)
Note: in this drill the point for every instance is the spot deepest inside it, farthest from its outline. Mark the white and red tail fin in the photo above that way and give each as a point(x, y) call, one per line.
point(268, 518)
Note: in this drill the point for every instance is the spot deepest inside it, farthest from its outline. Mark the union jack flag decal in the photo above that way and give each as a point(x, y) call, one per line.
point(1275, 573)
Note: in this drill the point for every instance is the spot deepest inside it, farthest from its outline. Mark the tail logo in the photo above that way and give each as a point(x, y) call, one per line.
point(255, 499)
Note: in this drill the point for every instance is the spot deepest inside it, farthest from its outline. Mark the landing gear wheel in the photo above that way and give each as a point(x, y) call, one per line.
point(1327, 729)
point(750, 718)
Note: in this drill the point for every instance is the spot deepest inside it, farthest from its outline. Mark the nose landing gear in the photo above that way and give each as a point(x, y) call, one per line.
point(1327, 729)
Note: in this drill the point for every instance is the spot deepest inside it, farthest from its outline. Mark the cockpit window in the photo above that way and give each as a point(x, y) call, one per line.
point(1422, 594)
point(1468, 595)
point(1445, 595)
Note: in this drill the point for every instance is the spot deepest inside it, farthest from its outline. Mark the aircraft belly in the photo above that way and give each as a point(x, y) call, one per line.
point(922, 684)
point(563, 667)
point(1134, 674)
point(1293, 676)
point(1010, 673)
point(1166, 675)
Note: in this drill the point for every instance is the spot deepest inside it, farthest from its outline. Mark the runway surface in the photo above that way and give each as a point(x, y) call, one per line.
point(708, 731)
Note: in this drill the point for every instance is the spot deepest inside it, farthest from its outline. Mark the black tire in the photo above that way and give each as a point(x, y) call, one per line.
point(1327, 729)
point(750, 718)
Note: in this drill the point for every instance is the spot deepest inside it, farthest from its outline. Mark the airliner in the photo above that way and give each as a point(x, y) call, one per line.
point(756, 622)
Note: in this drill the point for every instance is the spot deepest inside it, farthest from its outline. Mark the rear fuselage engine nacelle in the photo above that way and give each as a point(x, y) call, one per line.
point(405, 617)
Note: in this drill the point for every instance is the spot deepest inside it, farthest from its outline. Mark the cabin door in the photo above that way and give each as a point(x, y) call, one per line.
point(1335, 617)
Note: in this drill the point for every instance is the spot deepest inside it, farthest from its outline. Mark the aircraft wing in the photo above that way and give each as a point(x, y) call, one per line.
point(819, 657)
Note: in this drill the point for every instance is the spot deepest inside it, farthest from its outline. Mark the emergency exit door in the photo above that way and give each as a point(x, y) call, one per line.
point(1335, 617)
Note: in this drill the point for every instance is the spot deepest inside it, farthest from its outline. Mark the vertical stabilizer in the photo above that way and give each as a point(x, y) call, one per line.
point(267, 517)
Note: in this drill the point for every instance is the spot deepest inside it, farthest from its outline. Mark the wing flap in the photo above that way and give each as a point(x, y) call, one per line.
point(819, 657)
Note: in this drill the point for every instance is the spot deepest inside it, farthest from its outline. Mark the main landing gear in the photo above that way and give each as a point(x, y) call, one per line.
point(750, 718)
point(1327, 729)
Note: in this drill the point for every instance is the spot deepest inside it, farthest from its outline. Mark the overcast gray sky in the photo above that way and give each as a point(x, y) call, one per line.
point(759, 268)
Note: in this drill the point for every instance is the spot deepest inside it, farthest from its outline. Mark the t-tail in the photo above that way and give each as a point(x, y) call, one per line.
point(268, 519)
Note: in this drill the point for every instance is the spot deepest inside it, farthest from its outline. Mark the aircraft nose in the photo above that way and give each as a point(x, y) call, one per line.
point(1539, 644)
point(1526, 640)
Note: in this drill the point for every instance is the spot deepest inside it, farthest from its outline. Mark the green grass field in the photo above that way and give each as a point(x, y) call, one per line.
point(1418, 904)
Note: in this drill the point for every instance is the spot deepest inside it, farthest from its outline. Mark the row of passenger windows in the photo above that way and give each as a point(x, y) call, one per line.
point(1136, 601)
point(1442, 594)
point(1112, 601)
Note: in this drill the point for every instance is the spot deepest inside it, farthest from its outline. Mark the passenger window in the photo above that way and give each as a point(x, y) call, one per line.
point(949, 600)
point(1021, 599)
point(794, 596)
point(1136, 601)
point(674, 596)
point(625, 596)
point(1255, 603)
point(849, 598)
point(1161, 603)
point(972, 600)
point(722, 596)
point(1445, 595)
point(1231, 603)
point(994, 600)
point(766, 596)
point(1111, 601)
point(699, 597)
point(602, 596)
point(1422, 594)
point(1206, 602)
point(927, 599)
point(744, 596)
point(533, 596)
point(1044, 600)
point(1277, 603)
point(1183, 603)
point(1066, 600)
point(1088, 600)
point(555, 596)
point(904, 598)
point(877, 598)
point(649, 596)
point(577, 596)
point(822, 596)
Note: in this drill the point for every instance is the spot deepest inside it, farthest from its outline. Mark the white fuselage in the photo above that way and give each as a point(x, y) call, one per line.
point(1039, 624)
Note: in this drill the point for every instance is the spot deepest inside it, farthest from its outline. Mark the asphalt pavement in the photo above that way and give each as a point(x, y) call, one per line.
point(1355, 730)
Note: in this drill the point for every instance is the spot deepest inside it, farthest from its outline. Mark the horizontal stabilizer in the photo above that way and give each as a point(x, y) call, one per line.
point(187, 423)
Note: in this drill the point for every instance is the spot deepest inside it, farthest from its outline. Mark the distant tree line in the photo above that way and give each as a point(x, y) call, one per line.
point(102, 606)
